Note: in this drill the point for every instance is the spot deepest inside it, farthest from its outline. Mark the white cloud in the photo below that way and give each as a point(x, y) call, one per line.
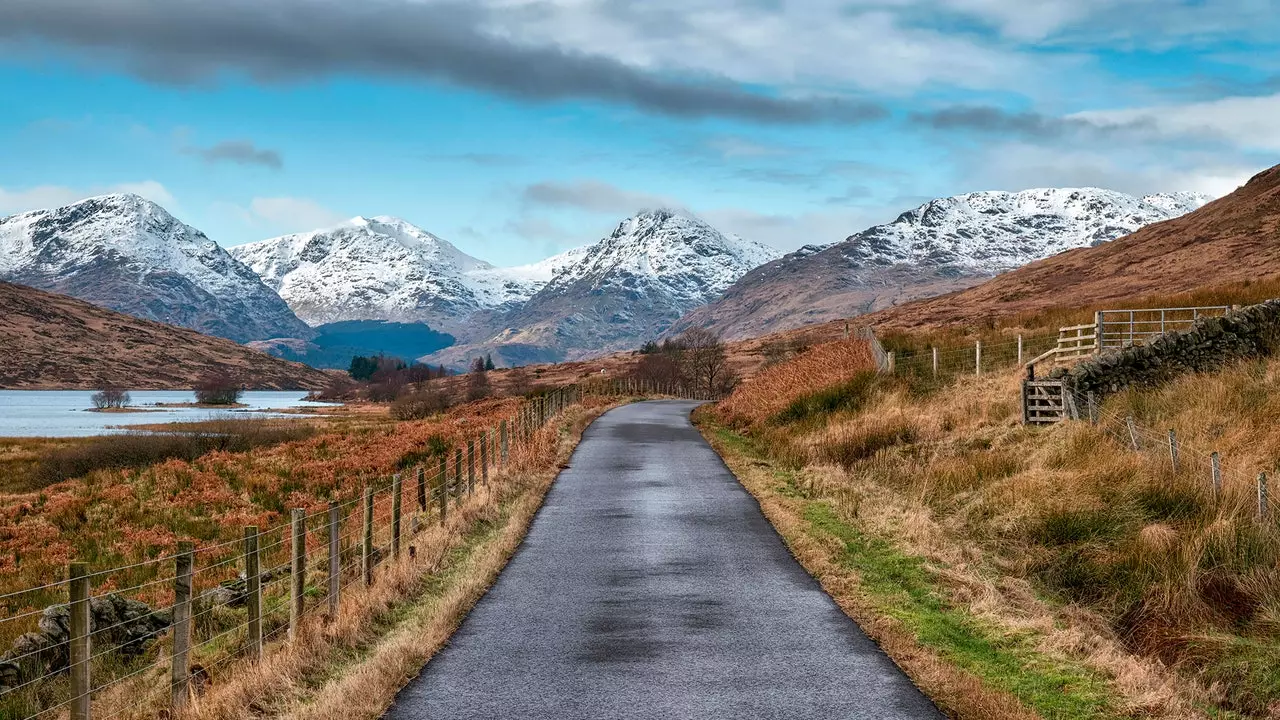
point(1017, 166)
point(290, 214)
point(594, 196)
point(50, 196)
point(1246, 122)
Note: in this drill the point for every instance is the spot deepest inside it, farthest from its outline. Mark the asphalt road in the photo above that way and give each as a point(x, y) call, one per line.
point(651, 586)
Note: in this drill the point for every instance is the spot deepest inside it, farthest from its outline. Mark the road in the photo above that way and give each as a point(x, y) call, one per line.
point(651, 586)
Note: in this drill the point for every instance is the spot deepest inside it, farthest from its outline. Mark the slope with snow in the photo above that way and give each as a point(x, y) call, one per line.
point(941, 246)
point(129, 254)
point(384, 268)
point(620, 291)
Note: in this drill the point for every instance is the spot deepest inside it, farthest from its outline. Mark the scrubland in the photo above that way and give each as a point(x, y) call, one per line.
point(1018, 571)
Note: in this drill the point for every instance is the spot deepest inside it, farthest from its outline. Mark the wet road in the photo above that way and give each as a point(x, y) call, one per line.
point(651, 586)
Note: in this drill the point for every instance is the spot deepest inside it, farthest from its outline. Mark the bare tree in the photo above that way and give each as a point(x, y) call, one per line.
point(478, 381)
point(217, 388)
point(704, 359)
point(111, 398)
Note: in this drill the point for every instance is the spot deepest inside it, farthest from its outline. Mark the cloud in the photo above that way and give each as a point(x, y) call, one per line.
point(481, 159)
point(51, 196)
point(240, 152)
point(594, 196)
point(1246, 122)
point(990, 119)
point(189, 41)
point(1019, 165)
point(289, 214)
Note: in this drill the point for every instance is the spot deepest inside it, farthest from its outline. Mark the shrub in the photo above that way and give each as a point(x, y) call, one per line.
point(111, 398)
point(435, 446)
point(217, 389)
point(419, 404)
point(847, 447)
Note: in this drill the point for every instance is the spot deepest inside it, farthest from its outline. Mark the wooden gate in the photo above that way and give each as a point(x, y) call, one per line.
point(1045, 402)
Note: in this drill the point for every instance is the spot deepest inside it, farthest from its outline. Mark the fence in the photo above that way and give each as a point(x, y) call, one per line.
point(1118, 329)
point(231, 600)
point(948, 363)
point(1229, 491)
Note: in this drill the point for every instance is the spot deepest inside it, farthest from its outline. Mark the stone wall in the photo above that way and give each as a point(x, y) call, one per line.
point(1250, 332)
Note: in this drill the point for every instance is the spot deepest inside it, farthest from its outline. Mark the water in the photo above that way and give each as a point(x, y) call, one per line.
point(62, 413)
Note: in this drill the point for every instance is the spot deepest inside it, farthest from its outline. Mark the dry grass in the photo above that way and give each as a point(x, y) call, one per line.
point(351, 666)
point(776, 388)
point(1109, 557)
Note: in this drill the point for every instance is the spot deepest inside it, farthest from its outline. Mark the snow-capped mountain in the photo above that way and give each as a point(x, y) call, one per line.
point(619, 291)
point(943, 245)
point(383, 268)
point(129, 254)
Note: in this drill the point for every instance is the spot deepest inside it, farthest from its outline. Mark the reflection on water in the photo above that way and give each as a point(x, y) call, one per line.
point(61, 413)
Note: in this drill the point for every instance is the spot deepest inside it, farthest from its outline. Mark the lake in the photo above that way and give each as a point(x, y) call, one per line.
point(62, 413)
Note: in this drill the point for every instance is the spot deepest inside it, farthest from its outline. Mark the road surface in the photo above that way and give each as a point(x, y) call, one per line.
point(651, 586)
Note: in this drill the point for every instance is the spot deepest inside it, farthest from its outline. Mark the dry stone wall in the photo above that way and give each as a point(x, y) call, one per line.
point(1250, 332)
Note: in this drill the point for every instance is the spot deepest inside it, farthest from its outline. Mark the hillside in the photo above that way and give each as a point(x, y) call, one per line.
point(617, 293)
point(1231, 240)
point(128, 254)
point(942, 246)
point(55, 341)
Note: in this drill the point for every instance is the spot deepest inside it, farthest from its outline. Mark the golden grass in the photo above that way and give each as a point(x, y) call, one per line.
point(1109, 556)
point(773, 389)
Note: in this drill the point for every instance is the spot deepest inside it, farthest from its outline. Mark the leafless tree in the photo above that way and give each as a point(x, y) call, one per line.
point(217, 388)
point(704, 360)
point(111, 398)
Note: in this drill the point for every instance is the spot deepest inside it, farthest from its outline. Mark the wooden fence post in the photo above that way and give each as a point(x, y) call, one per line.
point(443, 487)
point(253, 591)
point(1215, 463)
point(1264, 509)
point(1173, 449)
point(459, 479)
point(298, 571)
point(366, 547)
point(335, 558)
point(471, 466)
point(422, 489)
point(81, 684)
point(503, 438)
point(1019, 349)
point(935, 363)
point(1097, 331)
point(397, 506)
point(977, 359)
point(1133, 433)
point(179, 672)
point(893, 363)
point(484, 457)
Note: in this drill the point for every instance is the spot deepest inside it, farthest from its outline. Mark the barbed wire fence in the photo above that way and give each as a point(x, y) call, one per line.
point(207, 606)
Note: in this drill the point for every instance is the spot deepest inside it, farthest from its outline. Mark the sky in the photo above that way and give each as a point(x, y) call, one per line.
point(519, 128)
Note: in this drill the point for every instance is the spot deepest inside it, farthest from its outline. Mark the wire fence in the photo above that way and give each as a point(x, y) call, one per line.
point(83, 637)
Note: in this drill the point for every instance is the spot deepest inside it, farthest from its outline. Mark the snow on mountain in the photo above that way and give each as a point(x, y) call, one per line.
point(383, 268)
point(619, 291)
point(996, 231)
point(943, 245)
point(129, 254)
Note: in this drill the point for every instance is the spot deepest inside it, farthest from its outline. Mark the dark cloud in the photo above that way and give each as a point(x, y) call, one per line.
point(594, 196)
point(191, 41)
point(241, 152)
point(994, 120)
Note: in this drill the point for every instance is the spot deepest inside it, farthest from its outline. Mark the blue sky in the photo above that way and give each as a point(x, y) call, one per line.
point(518, 128)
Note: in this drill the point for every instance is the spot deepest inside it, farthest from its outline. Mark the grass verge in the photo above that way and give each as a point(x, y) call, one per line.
point(970, 667)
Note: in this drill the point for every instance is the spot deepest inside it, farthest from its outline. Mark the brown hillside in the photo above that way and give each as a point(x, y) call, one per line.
point(55, 341)
point(1234, 239)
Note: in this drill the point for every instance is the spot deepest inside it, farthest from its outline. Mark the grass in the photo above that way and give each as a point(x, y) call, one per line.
point(1126, 564)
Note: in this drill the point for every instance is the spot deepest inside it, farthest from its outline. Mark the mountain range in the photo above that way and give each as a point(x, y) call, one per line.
point(941, 246)
point(383, 281)
point(1232, 240)
point(129, 254)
